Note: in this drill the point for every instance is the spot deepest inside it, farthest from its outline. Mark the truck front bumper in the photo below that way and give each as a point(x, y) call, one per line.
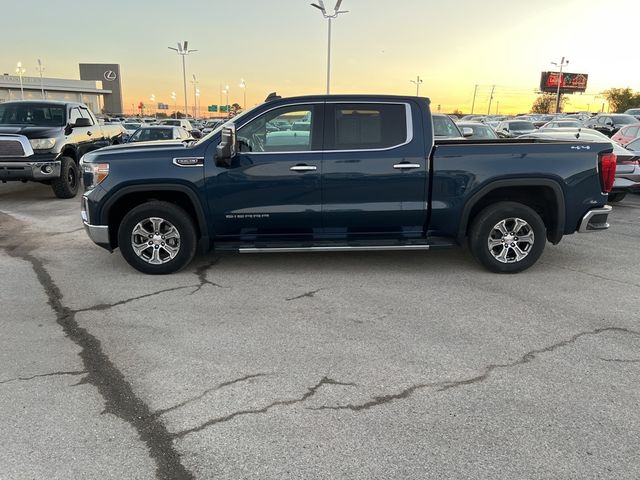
point(37, 170)
point(595, 219)
point(99, 234)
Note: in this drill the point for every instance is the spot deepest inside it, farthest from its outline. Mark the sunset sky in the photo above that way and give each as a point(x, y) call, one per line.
point(378, 47)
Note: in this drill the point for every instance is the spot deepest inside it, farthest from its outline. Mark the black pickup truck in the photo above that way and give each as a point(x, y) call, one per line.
point(342, 173)
point(43, 141)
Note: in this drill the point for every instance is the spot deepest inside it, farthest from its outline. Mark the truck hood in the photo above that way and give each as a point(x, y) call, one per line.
point(163, 147)
point(31, 131)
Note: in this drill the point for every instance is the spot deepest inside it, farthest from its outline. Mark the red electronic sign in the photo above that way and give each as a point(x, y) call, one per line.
point(571, 82)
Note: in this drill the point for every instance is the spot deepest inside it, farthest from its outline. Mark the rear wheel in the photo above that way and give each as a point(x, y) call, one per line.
point(66, 186)
point(157, 238)
point(616, 197)
point(507, 237)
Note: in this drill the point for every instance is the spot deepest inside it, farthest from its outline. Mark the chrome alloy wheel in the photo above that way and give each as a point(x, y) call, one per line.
point(510, 240)
point(155, 240)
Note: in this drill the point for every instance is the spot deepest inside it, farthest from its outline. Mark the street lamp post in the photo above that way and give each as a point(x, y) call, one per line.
point(41, 70)
point(473, 102)
point(561, 64)
point(226, 91)
point(195, 89)
point(20, 70)
point(152, 98)
point(175, 104)
point(417, 81)
point(197, 103)
point(183, 51)
point(329, 17)
point(243, 86)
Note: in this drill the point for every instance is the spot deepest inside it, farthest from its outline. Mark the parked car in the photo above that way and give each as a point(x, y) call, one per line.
point(184, 123)
point(541, 120)
point(131, 127)
point(445, 128)
point(514, 128)
point(159, 132)
point(562, 124)
point(626, 134)
point(627, 179)
point(211, 125)
point(480, 130)
point(43, 141)
point(369, 176)
point(634, 111)
point(610, 123)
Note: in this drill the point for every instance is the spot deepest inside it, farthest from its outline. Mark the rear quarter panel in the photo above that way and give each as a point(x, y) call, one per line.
point(461, 170)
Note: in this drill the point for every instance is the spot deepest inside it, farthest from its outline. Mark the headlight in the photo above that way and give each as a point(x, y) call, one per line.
point(42, 143)
point(94, 173)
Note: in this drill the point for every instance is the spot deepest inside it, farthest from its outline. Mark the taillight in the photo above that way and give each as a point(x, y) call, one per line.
point(607, 164)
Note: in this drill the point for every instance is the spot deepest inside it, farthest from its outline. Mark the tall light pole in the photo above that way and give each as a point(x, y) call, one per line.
point(41, 70)
point(561, 64)
point(197, 103)
point(493, 87)
point(152, 99)
point(183, 51)
point(226, 90)
point(243, 86)
point(417, 81)
point(175, 104)
point(329, 17)
point(20, 70)
point(195, 89)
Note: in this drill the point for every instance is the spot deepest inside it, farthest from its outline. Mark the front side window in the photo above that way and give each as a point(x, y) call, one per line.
point(369, 126)
point(74, 115)
point(287, 129)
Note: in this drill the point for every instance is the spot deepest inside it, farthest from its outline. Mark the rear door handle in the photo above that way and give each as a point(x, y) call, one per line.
point(406, 166)
point(89, 133)
point(303, 168)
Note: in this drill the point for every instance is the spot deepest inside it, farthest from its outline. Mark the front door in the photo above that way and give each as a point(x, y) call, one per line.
point(374, 179)
point(272, 188)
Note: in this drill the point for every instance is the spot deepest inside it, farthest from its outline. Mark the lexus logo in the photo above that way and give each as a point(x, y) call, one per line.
point(110, 75)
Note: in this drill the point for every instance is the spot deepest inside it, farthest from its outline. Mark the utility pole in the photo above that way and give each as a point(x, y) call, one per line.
point(493, 87)
point(561, 64)
point(473, 102)
point(417, 81)
point(497, 106)
point(41, 70)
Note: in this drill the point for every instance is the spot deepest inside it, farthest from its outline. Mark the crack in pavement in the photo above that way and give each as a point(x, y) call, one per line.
point(201, 272)
point(105, 306)
point(311, 391)
point(304, 295)
point(207, 391)
point(620, 360)
point(444, 385)
point(52, 374)
point(101, 372)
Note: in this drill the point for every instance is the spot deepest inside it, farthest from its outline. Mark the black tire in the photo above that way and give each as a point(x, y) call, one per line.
point(616, 197)
point(66, 186)
point(529, 239)
point(139, 219)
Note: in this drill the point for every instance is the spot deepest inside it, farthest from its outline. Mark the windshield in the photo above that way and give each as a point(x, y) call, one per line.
point(521, 126)
point(175, 123)
point(624, 119)
point(35, 114)
point(444, 127)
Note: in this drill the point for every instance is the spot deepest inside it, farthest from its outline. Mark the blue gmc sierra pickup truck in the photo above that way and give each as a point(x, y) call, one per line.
point(342, 173)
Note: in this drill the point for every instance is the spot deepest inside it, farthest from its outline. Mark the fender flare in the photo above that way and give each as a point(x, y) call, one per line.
point(558, 231)
point(163, 187)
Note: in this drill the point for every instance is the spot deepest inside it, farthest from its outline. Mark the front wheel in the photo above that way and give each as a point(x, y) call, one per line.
point(507, 237)
point(157, 238)
point(66, 186)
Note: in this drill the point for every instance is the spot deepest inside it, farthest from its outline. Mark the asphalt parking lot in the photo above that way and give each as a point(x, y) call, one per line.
point(286, 366)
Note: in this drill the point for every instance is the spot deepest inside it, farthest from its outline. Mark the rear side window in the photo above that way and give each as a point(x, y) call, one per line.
point(367, 126)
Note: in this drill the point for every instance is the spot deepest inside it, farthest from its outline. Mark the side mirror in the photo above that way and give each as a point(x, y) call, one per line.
point(609, 123)
point(82, 122)
point(467, 132)
point(226, 149)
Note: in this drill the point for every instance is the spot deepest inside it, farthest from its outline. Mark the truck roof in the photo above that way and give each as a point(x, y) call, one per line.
point(44, 102)
point(350, 97)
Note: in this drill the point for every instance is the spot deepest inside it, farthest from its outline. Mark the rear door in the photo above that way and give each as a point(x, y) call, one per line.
point(374, 172)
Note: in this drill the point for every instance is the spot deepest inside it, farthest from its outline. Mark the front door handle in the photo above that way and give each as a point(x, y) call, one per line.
point(89, 133)
point(406, 166)
point(303, 168)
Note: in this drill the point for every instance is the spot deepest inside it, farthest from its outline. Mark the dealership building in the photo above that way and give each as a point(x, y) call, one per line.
point(99, 87)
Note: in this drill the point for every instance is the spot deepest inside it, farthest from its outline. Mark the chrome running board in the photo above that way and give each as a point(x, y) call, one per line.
point(334, 248)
